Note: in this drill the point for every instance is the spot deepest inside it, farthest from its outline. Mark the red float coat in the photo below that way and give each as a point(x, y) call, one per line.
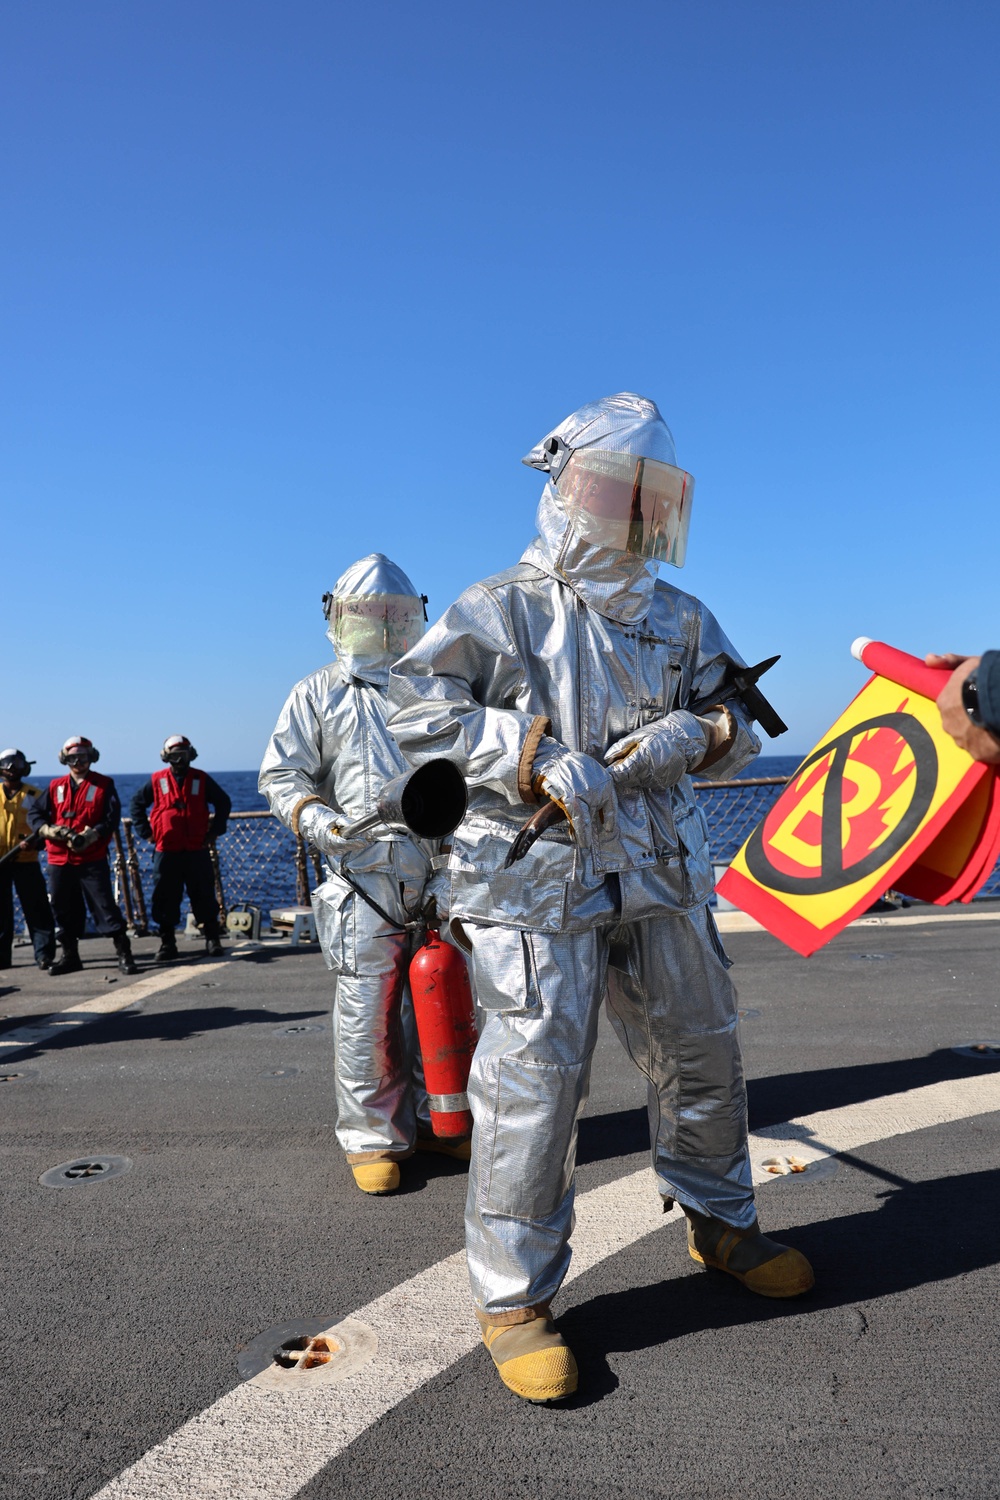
point(87, 805)
point(179, 816)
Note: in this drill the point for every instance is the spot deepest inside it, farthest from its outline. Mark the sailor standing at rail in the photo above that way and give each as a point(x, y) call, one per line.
point(575, 679)
point(327, 761)
point(77, 817)
point(180, 809)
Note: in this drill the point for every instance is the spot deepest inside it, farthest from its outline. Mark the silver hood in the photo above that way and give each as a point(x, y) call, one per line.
point(616, 584)
point(371, 575)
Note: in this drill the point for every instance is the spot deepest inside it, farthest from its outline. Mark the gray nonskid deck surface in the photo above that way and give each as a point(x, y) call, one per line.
point(126, 1302)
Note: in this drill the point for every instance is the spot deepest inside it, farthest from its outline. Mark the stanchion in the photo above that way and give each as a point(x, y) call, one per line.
point(217, 873)
point(121, 875)
point(302, 895)
point(134, 882)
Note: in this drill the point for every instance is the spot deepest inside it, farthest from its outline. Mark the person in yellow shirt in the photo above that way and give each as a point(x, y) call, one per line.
point(20, 872)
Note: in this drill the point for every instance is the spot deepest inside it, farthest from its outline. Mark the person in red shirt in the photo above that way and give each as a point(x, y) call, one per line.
point(77, 817)
point(173, 809)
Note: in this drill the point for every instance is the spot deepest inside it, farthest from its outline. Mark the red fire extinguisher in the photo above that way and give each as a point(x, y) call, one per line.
point(446, 1027)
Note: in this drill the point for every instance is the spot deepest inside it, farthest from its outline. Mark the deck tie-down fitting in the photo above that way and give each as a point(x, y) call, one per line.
point(306, 1353)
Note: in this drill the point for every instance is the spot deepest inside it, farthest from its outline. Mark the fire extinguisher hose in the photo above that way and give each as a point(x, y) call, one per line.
point(414, 925)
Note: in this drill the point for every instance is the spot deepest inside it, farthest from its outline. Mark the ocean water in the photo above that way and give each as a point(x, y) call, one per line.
point(770, 765)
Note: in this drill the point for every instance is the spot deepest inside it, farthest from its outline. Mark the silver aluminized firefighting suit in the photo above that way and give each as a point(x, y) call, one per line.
point(331, 745)
point(578, 644)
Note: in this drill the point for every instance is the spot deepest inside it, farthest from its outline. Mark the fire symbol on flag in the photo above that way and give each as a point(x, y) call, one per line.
point(854, 804)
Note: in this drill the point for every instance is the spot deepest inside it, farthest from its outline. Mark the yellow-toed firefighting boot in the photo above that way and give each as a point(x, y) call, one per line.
point(762, 1265)
point(378, 1177)
point(532, 1358)
point(457, 1150)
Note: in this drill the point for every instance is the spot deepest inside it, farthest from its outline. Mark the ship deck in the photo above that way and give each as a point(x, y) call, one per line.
point(131, 1298)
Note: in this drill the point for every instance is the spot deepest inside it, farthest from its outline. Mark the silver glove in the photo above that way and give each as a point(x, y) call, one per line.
point(318, 826)
point(659, 754)
point(581, 786)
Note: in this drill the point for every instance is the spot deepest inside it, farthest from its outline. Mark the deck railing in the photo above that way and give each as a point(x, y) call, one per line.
point(259, 862)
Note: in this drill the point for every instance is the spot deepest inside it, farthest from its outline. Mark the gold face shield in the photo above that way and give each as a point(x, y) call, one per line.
point(637, 505)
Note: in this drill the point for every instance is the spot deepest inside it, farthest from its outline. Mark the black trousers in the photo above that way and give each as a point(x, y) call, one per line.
point(70, 886)
point(27, 879)
point(172, 871)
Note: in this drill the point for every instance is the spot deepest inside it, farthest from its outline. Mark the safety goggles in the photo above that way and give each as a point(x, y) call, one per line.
point(370, 625)
point(630, 504)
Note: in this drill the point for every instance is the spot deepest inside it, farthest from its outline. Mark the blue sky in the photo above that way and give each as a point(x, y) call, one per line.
point(288, 283)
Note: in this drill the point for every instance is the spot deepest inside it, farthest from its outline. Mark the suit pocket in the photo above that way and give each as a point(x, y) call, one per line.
point(528, 1103)
point(531, 896)
point(502, 970)
point(333, 909)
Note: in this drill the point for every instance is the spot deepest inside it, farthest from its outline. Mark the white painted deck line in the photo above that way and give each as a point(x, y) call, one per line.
point(265, 1445)
point(105, 1004)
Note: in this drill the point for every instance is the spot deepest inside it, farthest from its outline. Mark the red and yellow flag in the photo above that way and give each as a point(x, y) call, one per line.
point(887, 799)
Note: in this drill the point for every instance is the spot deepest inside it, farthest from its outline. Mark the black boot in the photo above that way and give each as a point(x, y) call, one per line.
point(123, 948)
point(214, 948)
point(166, 953)
point(44, 960)
point(69, 961)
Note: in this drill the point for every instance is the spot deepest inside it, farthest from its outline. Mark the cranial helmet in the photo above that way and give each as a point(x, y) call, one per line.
point(614, 470)
point(178, 748)
point(78, 747)
point(15, 764)
point(374, 616)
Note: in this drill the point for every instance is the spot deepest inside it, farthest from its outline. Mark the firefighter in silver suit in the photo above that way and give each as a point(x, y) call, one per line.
point(567, 678)
point(327, 761)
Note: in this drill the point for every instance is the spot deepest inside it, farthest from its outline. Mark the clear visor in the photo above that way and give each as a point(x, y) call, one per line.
point(636, 505)
point(373, 625)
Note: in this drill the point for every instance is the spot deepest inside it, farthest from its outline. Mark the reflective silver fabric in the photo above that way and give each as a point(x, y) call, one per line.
point(618, 584)
point(523, 644)
point(379, 1078)
point(674, 1008)
point(375, 575)
point(623, 423)
point(331, 740)
point(584, 638)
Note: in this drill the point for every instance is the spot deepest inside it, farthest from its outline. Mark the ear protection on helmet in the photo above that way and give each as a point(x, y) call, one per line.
point(15, 762)
point(178, 746)
point(79, 745)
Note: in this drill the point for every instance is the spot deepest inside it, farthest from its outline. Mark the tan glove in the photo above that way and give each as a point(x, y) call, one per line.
point(58, 833)
point(721, 729)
